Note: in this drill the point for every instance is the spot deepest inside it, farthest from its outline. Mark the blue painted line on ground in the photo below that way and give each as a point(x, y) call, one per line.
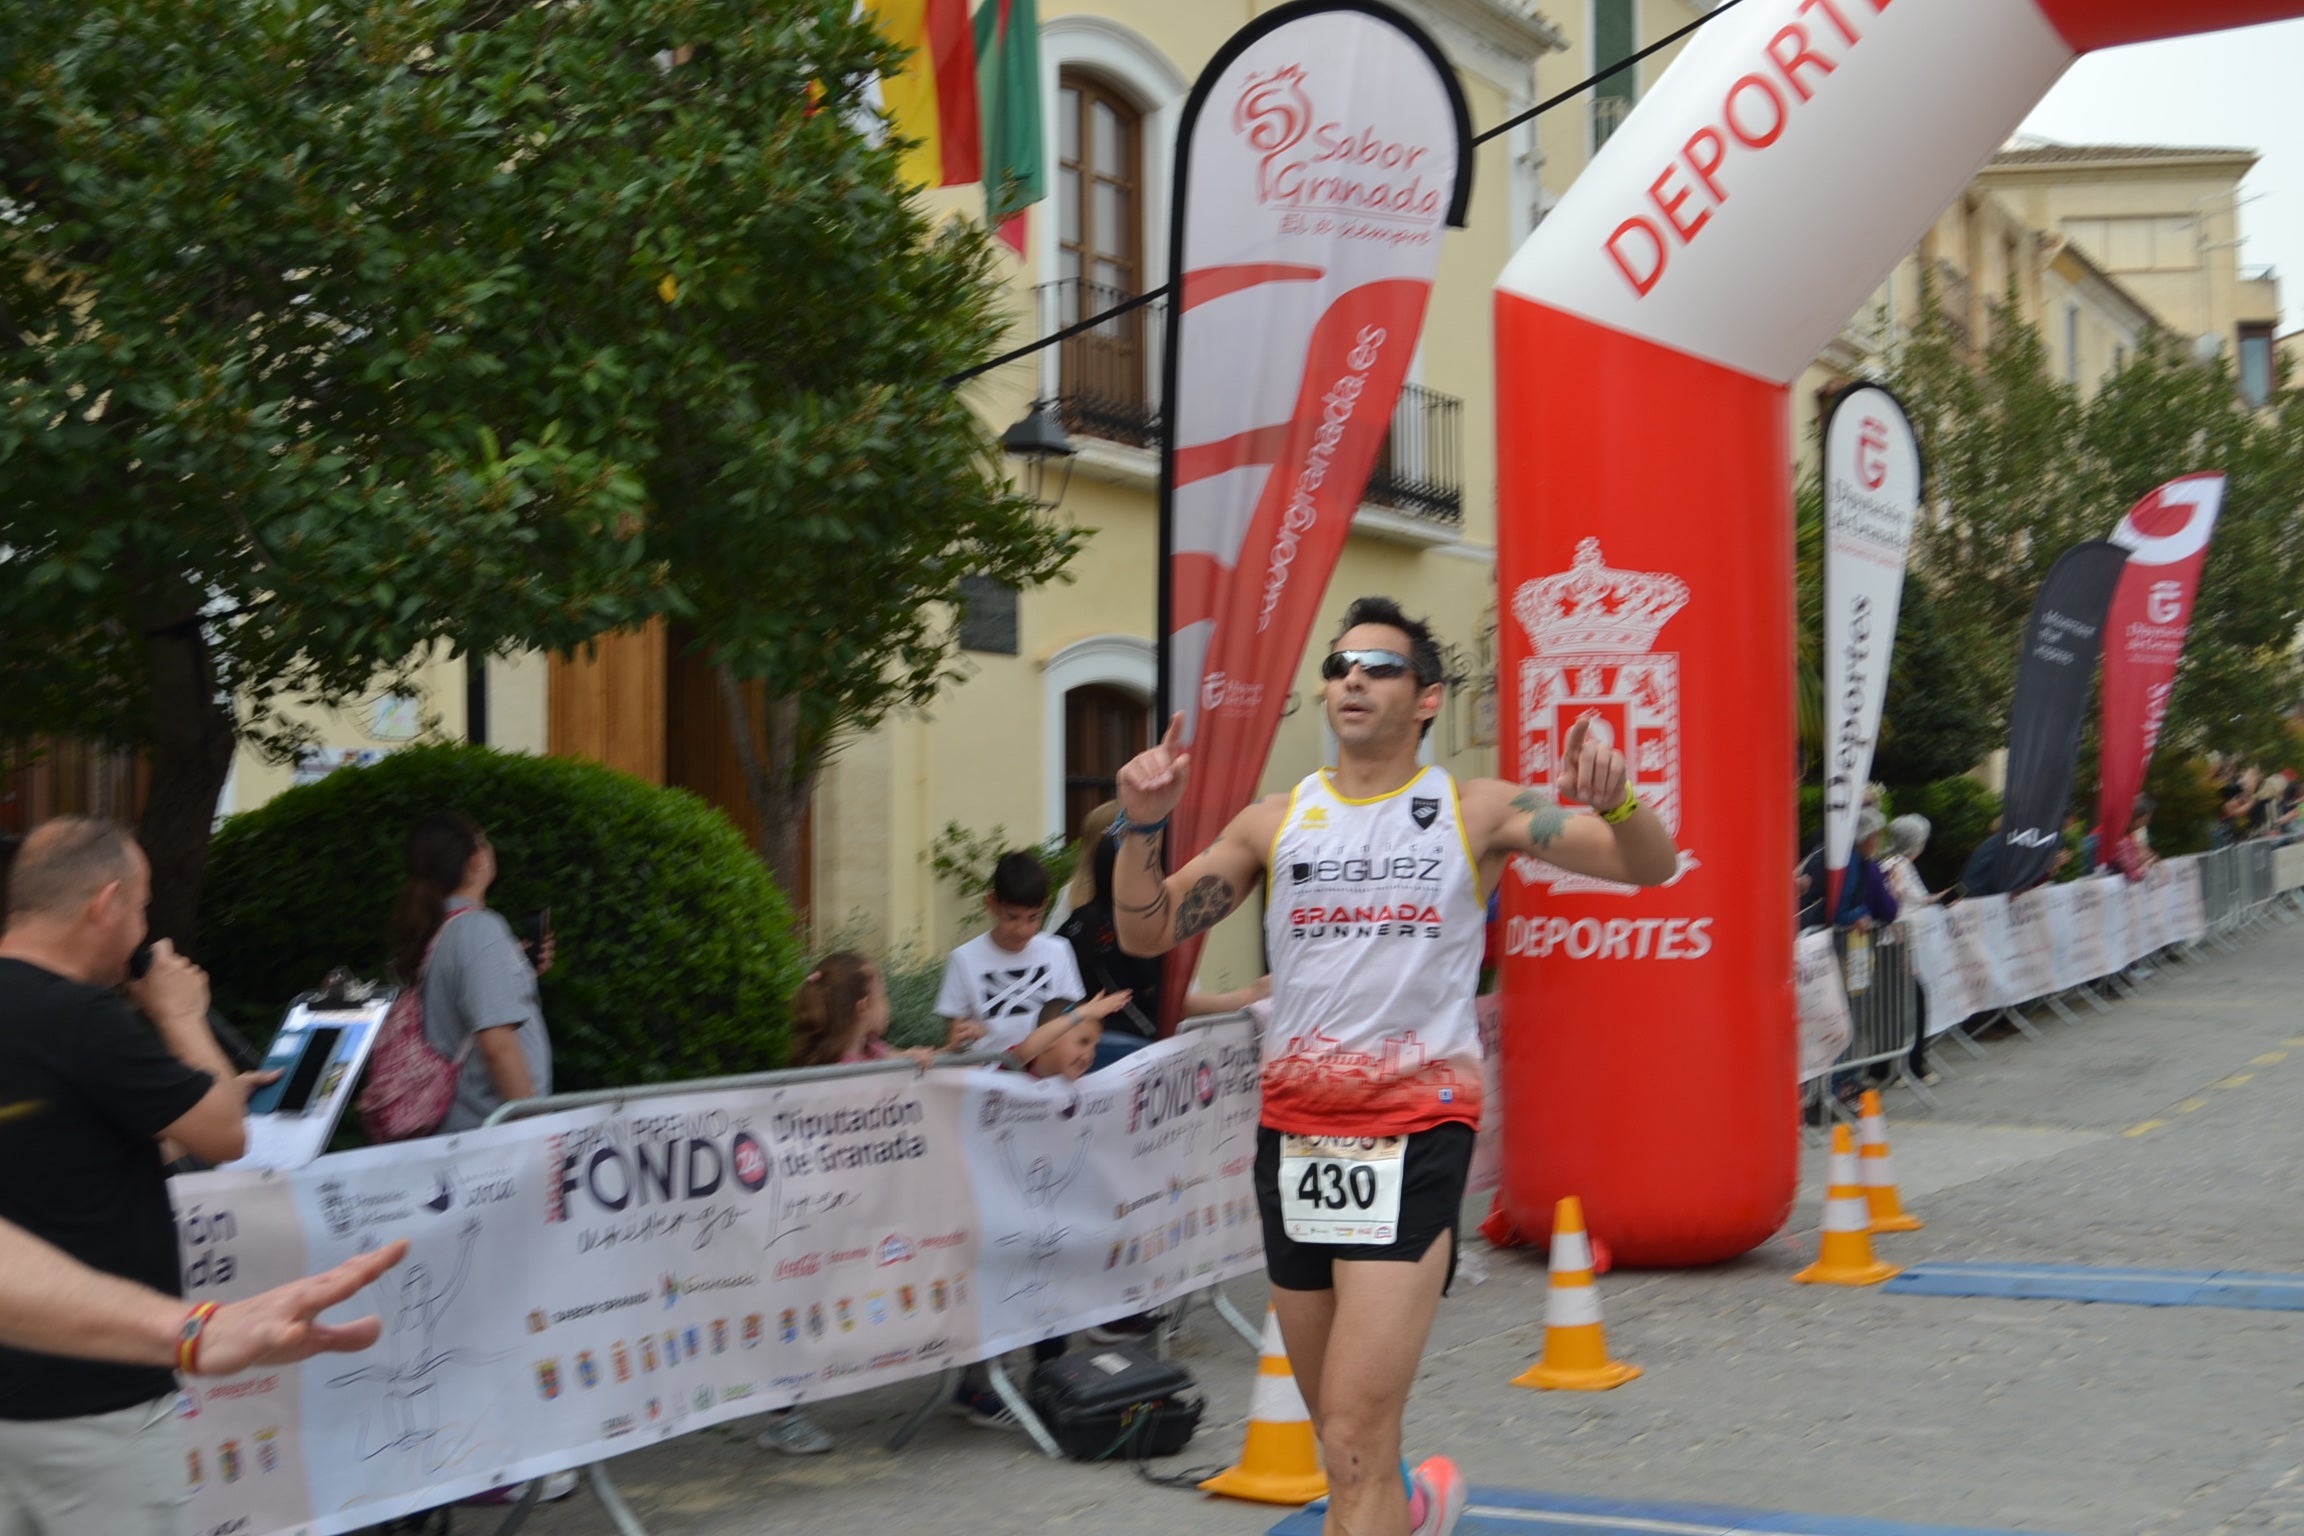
point(2127, 1287)
point(1525, 1512)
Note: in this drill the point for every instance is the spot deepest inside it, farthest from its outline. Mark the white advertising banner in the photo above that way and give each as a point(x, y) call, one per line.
point(2030, 946)
point(1871, 494)
point(593, 1280)
point(1825, 1024)
point(2090, 906)
point(1979, 930)
point(2288, 868)
point(1936, 962)
point(1978, 956)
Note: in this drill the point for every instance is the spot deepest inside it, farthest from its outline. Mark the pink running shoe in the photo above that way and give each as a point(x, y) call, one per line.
point(1445, 1494)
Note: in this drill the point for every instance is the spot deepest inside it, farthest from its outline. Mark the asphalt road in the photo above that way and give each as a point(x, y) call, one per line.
point(2164, 1134)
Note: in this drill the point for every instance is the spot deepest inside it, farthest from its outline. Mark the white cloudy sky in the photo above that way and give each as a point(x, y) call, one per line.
point(2243, 88)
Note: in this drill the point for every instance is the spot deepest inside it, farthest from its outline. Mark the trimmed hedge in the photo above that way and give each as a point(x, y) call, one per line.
point(676, 953)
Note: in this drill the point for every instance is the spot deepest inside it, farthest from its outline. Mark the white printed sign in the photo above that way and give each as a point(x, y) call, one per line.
point(589, 1281)
point(1825, 1024)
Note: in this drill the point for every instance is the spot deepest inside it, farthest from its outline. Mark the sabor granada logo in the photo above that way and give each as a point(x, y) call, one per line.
point(1306, 165)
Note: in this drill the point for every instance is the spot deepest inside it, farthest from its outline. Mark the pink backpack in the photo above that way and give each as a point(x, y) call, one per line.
point(411, 1087)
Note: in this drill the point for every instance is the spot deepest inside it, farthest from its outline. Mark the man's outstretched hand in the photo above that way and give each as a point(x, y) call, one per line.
point(1152, 783)
point(282, 1326)
point(1590, 773)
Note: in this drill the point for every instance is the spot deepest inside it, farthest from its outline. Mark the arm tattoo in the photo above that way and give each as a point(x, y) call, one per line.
point(1208, 903)
point(1546, 820)
point(1156, 867)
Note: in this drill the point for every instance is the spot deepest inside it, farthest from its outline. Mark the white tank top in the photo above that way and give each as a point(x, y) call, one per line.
point(1375, 927)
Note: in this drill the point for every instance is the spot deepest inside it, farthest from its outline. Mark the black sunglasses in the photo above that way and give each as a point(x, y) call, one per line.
point(1381, 666)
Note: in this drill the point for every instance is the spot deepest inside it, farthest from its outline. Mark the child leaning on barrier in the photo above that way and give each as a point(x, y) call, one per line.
point(1063, 1044)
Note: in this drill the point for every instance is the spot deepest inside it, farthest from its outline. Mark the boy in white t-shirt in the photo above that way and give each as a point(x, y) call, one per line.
point(995, 984)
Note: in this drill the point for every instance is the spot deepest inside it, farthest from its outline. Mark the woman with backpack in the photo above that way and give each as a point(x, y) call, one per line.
point(468, 973)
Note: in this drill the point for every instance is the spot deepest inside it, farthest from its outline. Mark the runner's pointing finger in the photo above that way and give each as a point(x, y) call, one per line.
point(1571, 782)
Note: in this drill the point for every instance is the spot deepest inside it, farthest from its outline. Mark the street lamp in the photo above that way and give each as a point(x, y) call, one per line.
point(1042, 443)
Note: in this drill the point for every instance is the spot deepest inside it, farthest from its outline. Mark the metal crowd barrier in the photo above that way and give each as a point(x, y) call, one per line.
point(1886, 1014)
point(2239, 890)
point(596, 1473)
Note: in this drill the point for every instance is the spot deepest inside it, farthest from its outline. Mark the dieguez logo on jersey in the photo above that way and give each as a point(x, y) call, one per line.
point(1591, 636)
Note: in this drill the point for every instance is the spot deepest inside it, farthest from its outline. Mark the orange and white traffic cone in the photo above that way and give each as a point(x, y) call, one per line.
point(1846, 1258)
point(1888, 1213)
point(1575, 1347)
point(1280, 1461)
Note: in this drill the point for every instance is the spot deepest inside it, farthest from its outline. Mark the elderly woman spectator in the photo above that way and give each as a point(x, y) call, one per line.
point(1907, 836)
point(1865, 899)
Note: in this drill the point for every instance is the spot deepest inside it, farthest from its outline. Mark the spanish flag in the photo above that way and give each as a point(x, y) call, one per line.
point(932, 101)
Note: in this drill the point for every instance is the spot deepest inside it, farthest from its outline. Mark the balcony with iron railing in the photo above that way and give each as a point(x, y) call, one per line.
point(1421, 470)
point(1108, 377)
point(1107, 388)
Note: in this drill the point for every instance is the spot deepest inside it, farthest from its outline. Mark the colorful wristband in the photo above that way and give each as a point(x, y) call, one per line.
point(1123, 827)
point(1622, 813)
point(188, 1337)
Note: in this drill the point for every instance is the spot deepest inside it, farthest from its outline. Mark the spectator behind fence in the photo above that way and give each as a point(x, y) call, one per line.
point(2133, 855)
point(1907, 839)
point(1980, 876)
point(995, 984)
point(2236, 813)
point(88, 1091)
point(840, 1014)
point(2288, 816)
point(1865, 899)
point(481, 1009)
point(1063, 1044)
point(1106, 967)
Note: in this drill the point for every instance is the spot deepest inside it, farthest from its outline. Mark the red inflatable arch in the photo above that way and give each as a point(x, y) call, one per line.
point(1647, 335)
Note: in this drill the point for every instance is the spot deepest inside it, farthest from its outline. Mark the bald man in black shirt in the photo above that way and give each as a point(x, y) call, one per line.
point(90, 1086)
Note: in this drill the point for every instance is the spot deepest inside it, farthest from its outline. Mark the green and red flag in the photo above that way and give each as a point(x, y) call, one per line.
point(1008, 95)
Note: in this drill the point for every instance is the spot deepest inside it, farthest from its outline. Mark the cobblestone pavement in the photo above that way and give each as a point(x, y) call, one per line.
point(2163, 1134)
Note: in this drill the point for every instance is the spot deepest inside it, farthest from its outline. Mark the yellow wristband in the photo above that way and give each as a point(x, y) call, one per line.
point(1622, 813)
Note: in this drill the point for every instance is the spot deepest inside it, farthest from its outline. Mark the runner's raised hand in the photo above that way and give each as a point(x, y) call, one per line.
point(1152, 783)
point(1590, 773)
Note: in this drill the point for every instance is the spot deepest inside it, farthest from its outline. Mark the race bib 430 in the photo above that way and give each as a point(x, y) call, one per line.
point(1341, 1189)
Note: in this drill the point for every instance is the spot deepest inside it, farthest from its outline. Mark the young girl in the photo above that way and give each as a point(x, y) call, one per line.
point(840, 1014)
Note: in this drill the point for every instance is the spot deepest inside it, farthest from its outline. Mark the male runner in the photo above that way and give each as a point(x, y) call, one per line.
point(1377, 872)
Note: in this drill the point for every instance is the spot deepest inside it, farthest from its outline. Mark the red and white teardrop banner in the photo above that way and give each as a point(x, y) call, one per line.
point(1871, 494)
point(2166, 536)
point(1324, 153)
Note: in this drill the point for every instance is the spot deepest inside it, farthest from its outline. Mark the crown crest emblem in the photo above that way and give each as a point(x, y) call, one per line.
point(1593, 609)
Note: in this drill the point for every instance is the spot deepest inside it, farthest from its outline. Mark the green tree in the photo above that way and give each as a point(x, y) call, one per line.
point(481, 324)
